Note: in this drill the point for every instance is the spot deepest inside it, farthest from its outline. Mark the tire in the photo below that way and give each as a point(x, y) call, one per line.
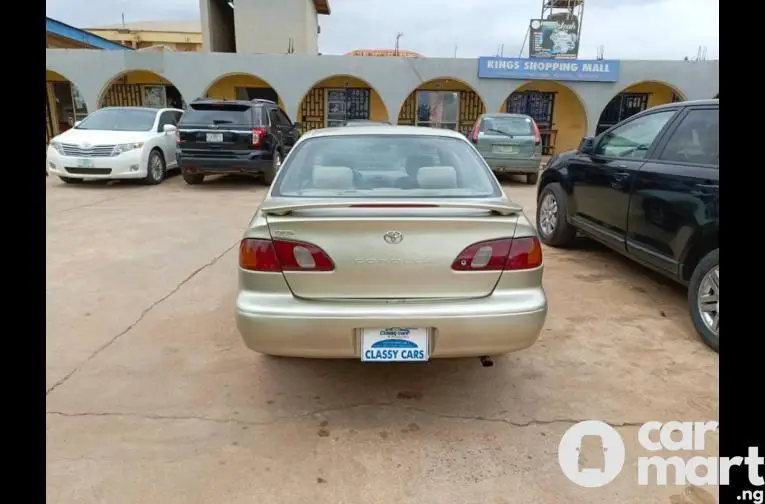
point(531, 178)
point(704, 291)
point(192, 178)
point(558, 233)
point(70, 180)
point(270, 173)
point(155, 168)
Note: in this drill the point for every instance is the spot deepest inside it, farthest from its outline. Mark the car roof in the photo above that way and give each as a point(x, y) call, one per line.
point(151, 109)
point(212, 101)
point(506, 114)
point(688, 103)
point(385, 129)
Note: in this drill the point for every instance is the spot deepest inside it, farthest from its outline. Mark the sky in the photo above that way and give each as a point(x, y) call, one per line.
point(626, 29)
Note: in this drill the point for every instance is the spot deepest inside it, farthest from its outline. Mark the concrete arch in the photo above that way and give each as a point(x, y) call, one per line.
point(134, 91)
point(312, 110)
point(64, 103)
point(224, 87)
point(563, 124)
point(635, 97)
point(466, 113)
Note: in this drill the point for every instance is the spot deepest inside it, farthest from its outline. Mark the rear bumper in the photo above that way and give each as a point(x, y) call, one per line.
point(281, 324)
point(252, 162)
point(504, 165)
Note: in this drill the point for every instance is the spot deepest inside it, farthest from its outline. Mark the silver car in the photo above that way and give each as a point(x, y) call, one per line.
point(388, 243)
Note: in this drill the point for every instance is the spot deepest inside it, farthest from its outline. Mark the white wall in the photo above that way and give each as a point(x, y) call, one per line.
point(265, 26)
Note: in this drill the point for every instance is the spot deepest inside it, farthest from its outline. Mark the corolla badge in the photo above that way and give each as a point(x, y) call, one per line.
point(393, 237)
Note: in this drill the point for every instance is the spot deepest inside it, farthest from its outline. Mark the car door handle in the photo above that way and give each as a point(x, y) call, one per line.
point(621, 176)
point(705, 190)
point(621, 166)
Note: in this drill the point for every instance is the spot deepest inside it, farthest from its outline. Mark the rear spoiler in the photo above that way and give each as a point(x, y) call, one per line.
point(287, 208)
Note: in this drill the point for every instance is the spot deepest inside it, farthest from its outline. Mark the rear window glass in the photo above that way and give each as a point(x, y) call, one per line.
point(380, 166)
point(508, 125)
point(217, 114)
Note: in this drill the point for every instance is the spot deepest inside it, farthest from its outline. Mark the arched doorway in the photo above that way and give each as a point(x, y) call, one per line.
point(557, 110)
point(242, 86)
point(339, 98)
point(637, 98)
point(64, 105)
point(442, 103)
point(141, 88)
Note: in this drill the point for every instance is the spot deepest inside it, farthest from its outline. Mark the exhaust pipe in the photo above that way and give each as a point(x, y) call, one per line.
point(486, 361)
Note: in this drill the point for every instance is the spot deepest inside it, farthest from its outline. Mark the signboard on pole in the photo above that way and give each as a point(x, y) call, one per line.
point(554, 38)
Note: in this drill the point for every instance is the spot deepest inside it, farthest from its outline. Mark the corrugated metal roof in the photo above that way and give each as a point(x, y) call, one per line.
point(82, 36)
point(155, 26)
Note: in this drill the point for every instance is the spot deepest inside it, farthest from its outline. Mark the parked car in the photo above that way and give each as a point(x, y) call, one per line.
point(224, 136)
point(510, 143)
point(648, 188)
point(116, 143)
point(422, 258)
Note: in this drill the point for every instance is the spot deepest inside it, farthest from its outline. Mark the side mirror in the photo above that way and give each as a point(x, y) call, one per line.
point(169, 128)
point(297, 125)
point(77, 123)
point(587, 145)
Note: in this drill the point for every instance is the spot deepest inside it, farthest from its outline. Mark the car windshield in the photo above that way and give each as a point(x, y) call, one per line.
point(217, 113)
point(508, 125)
point(385, 166)
point(119, 119)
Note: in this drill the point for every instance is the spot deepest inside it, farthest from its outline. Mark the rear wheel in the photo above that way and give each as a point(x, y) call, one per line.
point(192, 178)
point(70, 180)
point(276, 163)
point(531, 178)
point(552, 209)
point(704, 299)
point(155, 169)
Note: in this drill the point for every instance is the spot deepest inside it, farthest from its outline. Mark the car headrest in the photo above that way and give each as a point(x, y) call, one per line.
point(332, 177)
point(437, 177)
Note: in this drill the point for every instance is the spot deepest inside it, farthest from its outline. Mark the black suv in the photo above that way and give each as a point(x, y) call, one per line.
point(221, 136)
point(649, 189)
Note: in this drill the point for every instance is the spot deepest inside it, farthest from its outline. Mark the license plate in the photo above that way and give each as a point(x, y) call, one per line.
point(215, 137)
point(394, 344)
point(504, 149)
point(85, 163)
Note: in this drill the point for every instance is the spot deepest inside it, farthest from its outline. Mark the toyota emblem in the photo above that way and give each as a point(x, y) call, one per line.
point(86, 145)
point(393, 237)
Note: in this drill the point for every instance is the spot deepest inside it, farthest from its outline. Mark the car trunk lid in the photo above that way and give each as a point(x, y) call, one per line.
point(416, 263)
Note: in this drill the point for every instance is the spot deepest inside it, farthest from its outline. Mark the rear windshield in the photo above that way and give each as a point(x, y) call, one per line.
point(381, 166)
point(508, 125)
point(217, 113)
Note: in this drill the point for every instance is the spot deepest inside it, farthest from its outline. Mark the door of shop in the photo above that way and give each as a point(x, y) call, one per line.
point(346, 105)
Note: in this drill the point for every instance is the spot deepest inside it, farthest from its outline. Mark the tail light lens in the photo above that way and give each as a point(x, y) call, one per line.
point(500, 255)
point(258, 134)
point(537, 135)
point(275, 256)
point(474, 133)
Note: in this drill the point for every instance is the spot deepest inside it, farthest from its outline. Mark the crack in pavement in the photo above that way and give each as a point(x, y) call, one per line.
point(237, 421)
point(143, 314)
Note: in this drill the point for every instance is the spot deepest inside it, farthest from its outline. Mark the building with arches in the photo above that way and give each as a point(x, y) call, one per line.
point(322, 90)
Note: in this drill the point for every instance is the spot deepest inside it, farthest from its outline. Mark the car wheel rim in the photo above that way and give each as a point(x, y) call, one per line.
point(548, 214)
point(709, 300)
point(156, 167)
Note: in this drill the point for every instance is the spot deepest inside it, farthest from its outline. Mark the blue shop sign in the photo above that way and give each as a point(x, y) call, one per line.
point(491, 67)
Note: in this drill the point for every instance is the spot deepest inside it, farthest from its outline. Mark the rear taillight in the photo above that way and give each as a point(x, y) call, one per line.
point(474, 133)
point(258, 134)
point(498, 255)
point(275, 256)
point(537, 135)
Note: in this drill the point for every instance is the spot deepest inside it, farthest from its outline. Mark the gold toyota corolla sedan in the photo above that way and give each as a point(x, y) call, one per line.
point(388, 243)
